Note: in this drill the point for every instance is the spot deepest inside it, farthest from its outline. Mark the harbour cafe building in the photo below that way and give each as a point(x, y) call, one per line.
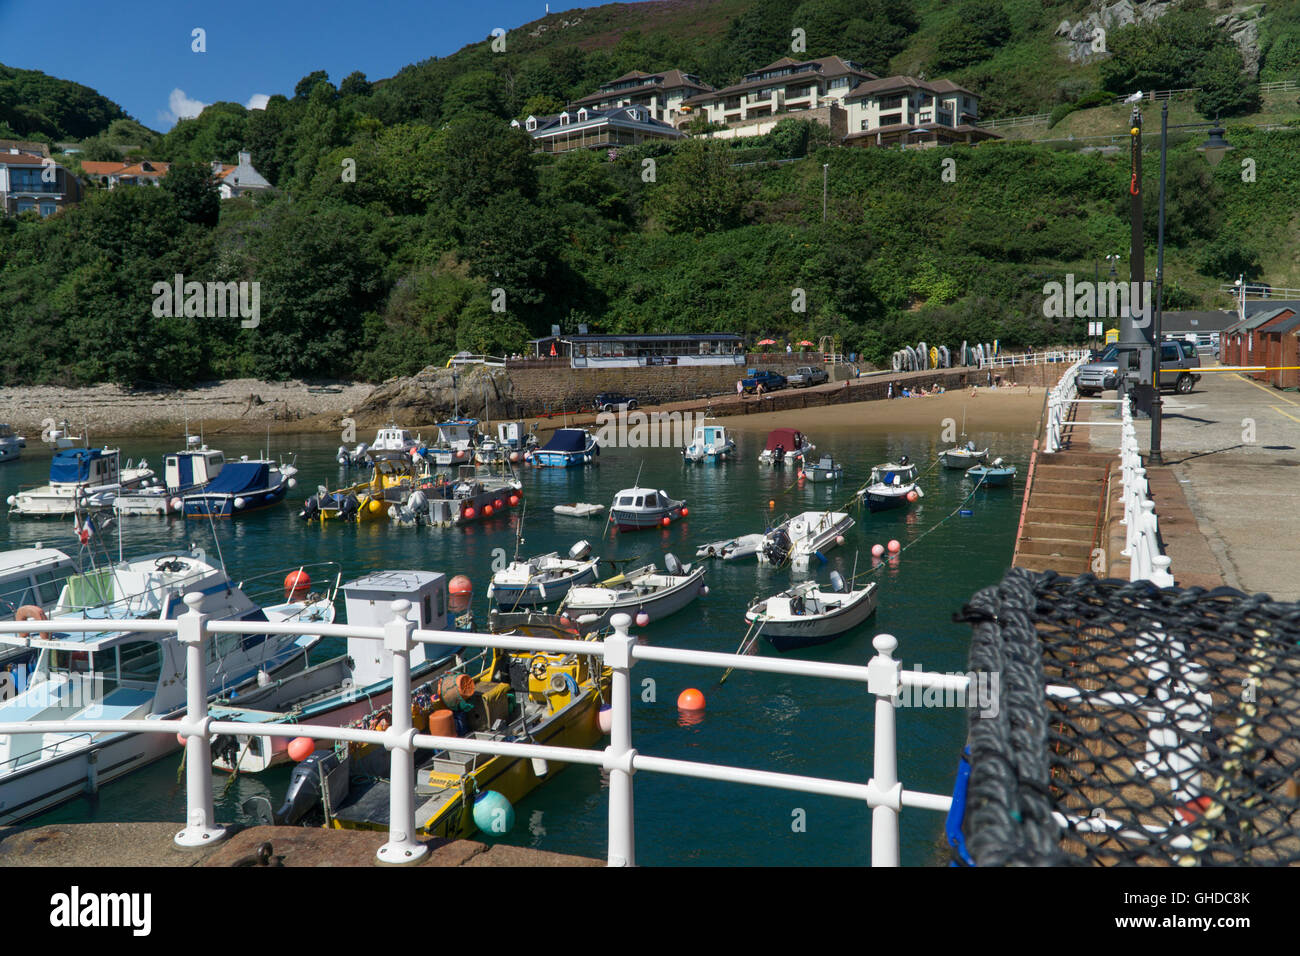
point(632, 351)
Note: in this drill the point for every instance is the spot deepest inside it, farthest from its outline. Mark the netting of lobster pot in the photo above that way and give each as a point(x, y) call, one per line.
point(1135, 726)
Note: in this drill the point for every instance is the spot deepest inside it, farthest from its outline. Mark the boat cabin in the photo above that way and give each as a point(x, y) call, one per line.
point(191, 468)
point(706, 435)
point(84, 467)
point(393, 438)
point(459, 433)
point(369, 603)
point(902, 473)
point(512, 434)
point(32, 576)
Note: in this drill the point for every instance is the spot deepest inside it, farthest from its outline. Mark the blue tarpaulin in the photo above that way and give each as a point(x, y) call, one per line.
point(238, 477)
point(567, 439)
point(73, 464)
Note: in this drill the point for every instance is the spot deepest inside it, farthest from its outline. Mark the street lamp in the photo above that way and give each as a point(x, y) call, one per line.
point(1214, 149)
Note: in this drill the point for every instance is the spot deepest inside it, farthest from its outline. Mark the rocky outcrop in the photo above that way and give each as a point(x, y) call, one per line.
point(432, 395)
point(1085, 39)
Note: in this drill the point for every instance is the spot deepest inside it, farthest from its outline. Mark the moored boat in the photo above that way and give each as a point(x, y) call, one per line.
point(785, 445)
point(997, 474)
point(732, 549)
point(566, 448)
point(709, 443)
point(646, 590)
point(825, 468)
point(80, 479)
point(241, 487)
point(807, 536)
point(454, 444)
point(124, 673)
point(11, 445)
point(637, 508)
point(475, 494)
point(184, 472)
point(579, 509)
point(542, 579)
point(891, 485)
point(394, 478)
point(963, 457)
point(809, 614)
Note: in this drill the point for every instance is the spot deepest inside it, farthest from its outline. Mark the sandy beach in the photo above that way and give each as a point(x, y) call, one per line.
point(988, 409)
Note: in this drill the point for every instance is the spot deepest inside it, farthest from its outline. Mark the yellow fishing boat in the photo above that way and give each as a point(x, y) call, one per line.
point(395, 475)
point(541, 698)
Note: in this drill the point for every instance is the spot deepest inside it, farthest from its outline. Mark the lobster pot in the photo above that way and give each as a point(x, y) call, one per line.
point(1170, 736)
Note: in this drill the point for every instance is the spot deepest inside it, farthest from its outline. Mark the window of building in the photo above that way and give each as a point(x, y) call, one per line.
point(891, 103)
point(891, 118)
point(564, 119)
point(582, 115)
point(47, 209)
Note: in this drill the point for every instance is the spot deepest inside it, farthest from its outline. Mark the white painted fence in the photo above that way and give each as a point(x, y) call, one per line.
point(1142, 540)
point(883, 675)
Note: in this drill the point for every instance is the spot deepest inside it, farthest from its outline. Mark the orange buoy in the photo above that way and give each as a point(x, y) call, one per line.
point(442, 723)
point(685, 511)
point(460, 585)
point(772, 503)
point(666, 521)
point(296, 585)
point(894, 546)
point(514, 500)
point(300, 748)
point(468, 512)
point(912, 496)
point(455, 689)
point(29, 612)
point(690, 699)
point(487, 510)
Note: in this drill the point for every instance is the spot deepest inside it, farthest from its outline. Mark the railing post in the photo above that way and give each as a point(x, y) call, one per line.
point(884, 679)
point(402, 847)
point(201, 827)
point(622, 831)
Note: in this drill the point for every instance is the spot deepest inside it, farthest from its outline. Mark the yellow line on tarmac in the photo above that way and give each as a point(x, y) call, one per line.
point(1272, 392)
point(1288, 415)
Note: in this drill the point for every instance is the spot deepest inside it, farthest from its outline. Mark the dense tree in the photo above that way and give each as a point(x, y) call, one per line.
point(192, 189)
point(700, 191)
point(976, 30)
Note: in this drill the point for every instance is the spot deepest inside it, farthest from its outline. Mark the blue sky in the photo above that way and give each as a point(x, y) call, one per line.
point(140, 56)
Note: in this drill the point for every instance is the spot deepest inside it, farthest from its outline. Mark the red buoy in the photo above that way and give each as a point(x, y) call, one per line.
point(487, 510)
point(296, 585)
point(468, 512)
point(300, 748)
point(460, 584)
point(514, 500)
point(690, 699)
point(685, 511)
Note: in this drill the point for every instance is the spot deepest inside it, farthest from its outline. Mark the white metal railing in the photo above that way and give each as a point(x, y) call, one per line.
point(1142, 538)
point(883, 675)
point(497, 361)
point(1046, 357)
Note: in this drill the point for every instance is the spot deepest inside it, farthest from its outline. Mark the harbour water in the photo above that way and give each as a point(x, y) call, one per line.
point(770, 722)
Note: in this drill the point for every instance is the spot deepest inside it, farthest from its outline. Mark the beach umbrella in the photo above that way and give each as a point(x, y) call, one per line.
point(805, 342)
point(767, 342)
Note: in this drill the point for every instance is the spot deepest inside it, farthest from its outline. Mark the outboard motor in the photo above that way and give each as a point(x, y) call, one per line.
point(349, 507)
point(580, 550)
point(310, 509)
point(343, 458)
point(671, 564)
point(304, 792)
point(777, 547)
point(837, 583)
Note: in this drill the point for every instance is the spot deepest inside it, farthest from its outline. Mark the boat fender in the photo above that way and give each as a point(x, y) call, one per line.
point(29, 612)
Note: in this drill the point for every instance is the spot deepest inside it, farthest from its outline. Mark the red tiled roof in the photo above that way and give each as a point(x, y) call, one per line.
point(95, 167)
point(20, 159)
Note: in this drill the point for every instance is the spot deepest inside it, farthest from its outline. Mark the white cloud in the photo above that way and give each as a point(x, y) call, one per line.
point(181, 107)
point(257, 101)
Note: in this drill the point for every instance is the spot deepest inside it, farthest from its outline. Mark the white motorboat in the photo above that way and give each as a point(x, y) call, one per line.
point(455, 443)
point(11, 445)
point(732, 549)
point(80, 479)
point(635, 508)
point(804, 538)
point(809, 614)
point(31, 580)
point(964, 456)
point(184, 472)
point(825, 469)
point(647, 589)
point(543, 579)
point(120, 673)
point(891, 485)
point(709, 443)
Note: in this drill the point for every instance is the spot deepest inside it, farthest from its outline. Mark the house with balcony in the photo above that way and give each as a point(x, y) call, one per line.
point(662, 94)
point(113, 174)
point(817, 88)
point(591, 128)
point(907, 111)
point(37, 184)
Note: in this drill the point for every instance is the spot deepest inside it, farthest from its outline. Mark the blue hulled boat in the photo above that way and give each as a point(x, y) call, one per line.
point(240, 487)
point(567, 448)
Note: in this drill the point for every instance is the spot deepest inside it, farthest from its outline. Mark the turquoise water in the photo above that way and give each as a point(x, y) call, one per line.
point(771, 722)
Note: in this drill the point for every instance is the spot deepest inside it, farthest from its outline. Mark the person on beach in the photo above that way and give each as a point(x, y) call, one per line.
point(740, 389)
point(759, 390)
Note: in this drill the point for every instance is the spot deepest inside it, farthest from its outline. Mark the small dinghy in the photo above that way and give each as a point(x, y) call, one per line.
point(997, 474)
point(809, 614)
point(963, 457)
point(542, 579)
point(891, 485)
point(649, 590)
point(732, 549)
point(806, 536)
point(580, 509)
point(826, 469)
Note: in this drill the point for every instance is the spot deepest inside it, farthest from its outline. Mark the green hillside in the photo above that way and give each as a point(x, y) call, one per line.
point(35, 106)
point(451, 216)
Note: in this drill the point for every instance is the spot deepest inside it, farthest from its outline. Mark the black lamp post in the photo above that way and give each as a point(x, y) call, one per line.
point(1214, 148)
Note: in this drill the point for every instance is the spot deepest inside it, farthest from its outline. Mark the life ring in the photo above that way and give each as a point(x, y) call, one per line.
point(30, 612)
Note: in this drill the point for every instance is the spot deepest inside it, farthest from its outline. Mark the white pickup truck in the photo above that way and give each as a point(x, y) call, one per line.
point(806, 375)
